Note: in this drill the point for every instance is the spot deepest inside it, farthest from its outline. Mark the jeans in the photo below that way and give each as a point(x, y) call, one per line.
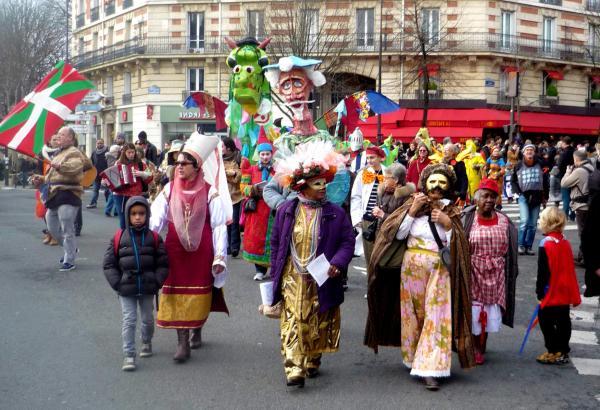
point(78, 221)
point(129, 311)
point(528, 217)
point(110, 205)
point(581, 218)
point(97, 187)
point(233, 229)
point(566, 200)
point(120, 202)
point(61, 224)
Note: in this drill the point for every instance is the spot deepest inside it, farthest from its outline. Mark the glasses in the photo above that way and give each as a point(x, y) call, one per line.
point(422, 150)
point(183, 163)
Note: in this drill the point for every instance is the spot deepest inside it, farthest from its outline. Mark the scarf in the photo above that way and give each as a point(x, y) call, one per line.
point(266, 170)
point(313, 203)
point(187, 210)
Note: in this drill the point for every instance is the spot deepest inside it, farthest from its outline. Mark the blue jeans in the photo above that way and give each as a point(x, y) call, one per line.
point(97, 187)
point(129, 306)
point(528, 217)
point(110, 205)
point(566, 200)
point(120, 202)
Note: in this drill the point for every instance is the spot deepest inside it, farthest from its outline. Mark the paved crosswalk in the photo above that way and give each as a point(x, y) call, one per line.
point(512, 210)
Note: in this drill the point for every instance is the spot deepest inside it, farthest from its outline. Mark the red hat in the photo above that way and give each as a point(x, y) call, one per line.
point(372, 149)
point(263, 143)
point(489, 184)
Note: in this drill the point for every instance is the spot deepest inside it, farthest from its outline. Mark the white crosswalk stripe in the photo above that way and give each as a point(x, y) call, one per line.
point(585, 319)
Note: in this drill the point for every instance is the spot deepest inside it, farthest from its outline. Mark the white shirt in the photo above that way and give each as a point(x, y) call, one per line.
point(419, 228)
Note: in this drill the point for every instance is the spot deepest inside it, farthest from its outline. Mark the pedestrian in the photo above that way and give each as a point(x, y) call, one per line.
point(136, 266)
point(528, 181)
point(258, 218)
point(150, 151)
point(64, 193)
point(554, 193)
point(589, 247)
point(195, 215)
point(364, 197)
point(112, 155)
point(132, 162)
point(306, 228)
point(232, 161)
point(493, 241)
point(556, 287)
point(576, 179)
point(461, 186)
point(566, 159)
point(426, 310)
point(392, 193)
point(417, 165)
point(48, 152)
point(99, 161)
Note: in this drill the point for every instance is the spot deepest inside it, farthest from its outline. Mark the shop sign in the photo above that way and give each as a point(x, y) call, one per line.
point(193, 115)
point(154, 89)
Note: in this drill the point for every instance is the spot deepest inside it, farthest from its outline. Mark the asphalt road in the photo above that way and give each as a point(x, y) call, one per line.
point(60, 344)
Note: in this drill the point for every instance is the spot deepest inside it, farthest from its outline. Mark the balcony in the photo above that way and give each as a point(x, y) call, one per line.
point(547, 100)
point(433, 94)
point(348, 45)
point(502, 98)
point(127, 4)
point(552, 2)
point(126, 99)
point(592, 5)
point(94, 13)
point(109, 8)
point(80, 20)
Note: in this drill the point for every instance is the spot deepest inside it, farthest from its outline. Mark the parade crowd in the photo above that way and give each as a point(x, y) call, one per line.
point(441, 256)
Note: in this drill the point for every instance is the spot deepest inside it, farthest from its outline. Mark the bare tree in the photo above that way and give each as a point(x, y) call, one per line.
point(32, 40)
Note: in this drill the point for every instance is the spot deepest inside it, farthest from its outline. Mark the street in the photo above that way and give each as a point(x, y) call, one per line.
point(61, 343)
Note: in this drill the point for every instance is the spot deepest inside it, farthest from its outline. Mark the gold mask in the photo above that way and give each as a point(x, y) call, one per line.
point(437, 181)
point(317, 183)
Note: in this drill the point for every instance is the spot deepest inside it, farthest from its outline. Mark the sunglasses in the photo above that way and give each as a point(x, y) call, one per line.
point(183, 163)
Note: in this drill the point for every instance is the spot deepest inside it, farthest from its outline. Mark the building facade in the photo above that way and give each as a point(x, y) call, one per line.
point(145, 56)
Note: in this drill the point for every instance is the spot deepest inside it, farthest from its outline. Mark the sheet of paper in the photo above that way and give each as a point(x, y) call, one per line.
point(318, 269)
point(266, 293)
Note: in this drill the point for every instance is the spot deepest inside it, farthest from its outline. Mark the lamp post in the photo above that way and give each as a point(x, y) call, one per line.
point(67, 31)
point(379, 134)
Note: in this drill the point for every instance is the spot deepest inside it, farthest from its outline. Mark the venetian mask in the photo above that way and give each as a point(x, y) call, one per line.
point(437, 181)
point(317, 184)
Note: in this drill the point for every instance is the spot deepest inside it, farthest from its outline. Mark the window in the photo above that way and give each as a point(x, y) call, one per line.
point(594, 89)
point(508, 29)
point(256, 24)
point(594, 35)
point(127, 83)
point(548, 34)
point(365, 27)
point(95, 41)
point(81, 46)
point(196, 79)
point(196, 30)
point(110, 36)
point(127, 30)
point(430, 25)
point(310, 27)
point(109, 86)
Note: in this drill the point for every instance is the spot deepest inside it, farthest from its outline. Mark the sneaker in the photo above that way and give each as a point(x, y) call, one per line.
point(529, 252)
point(128, 364)
point(146, 350)
point(560, 358)
point(522, 250)
point(259, 276)
point(66, 267)
point(91, 206)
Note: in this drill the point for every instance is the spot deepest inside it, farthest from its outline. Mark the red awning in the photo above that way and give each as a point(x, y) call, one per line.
point(559, 123)
point(555, 75)
point(510, 69)
point(444, 117)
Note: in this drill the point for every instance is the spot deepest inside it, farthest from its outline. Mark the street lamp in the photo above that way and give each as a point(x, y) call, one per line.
point(379, 134)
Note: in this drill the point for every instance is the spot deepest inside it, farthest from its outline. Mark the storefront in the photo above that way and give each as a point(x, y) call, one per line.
point(126, 123)
point(177, 121)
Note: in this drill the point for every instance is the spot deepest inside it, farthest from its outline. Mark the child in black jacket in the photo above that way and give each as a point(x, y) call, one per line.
point(136, 266)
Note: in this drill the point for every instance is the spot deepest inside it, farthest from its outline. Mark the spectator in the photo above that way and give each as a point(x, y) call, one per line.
point(462, 182)
point(99, 161)
point(150, 152)
point(566, 159)
point(416, 166)
point(232, 160)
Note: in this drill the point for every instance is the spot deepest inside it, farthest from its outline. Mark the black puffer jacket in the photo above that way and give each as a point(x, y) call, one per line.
point(122, 270)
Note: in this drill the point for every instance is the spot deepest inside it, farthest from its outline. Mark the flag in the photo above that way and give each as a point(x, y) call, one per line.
point(207, 104)
point(42, 112)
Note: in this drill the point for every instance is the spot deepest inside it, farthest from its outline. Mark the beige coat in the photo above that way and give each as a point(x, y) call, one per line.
point(72, 164)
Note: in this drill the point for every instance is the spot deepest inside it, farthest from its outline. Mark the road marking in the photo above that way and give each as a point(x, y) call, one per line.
point(582, 316)
point(583, 337)
point(587, 367)
point(593, 301)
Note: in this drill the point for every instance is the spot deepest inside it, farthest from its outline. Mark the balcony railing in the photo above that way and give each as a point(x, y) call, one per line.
point(546, 100)
point(126, 99)
point(109, 8)
point(592, 5)
point(127, 3)
point(501, 98)
point(433, 94)
point(455, 43)
point(552, 2)
point(80, 20)
point(95, 13)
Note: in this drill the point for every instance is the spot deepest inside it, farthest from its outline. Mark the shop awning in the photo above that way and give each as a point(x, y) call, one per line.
point(559, 123)
point(555, 75)
point(442, 117)
point(407, 134)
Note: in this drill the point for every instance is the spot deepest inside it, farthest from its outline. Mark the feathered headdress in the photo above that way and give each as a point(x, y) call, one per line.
point(311, 160)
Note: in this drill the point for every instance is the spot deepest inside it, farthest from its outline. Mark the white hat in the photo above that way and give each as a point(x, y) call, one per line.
point(201, 146)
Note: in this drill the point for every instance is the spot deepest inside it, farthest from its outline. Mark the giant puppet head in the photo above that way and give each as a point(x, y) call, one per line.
point(295, 78)
point(246, 60)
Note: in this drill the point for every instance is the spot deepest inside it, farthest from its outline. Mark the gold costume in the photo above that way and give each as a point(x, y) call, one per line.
point(305, 332)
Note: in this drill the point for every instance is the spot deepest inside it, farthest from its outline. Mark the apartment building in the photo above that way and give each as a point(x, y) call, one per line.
point(147, 55)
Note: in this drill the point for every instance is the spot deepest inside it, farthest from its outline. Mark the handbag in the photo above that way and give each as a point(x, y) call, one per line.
point(250, 205)
point(444, 251)
point(369, 233)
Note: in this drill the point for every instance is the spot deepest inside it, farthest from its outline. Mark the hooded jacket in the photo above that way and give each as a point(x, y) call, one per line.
point(140, 266)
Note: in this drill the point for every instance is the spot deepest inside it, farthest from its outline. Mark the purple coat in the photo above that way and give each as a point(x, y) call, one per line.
point(336, 241)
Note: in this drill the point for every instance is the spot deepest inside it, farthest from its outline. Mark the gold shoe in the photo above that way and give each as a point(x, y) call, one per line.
point(546, 358)
point(53, 242)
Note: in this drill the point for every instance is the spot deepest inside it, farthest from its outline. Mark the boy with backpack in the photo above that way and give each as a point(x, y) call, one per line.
point(136, 266)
